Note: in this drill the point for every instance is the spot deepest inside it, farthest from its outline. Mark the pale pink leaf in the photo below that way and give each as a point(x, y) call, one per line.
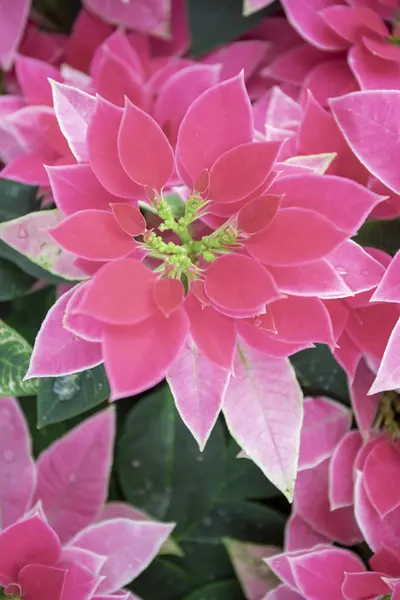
point(263, 410)
point(59, 352)
point(341, 468)
point(73, 475)
point(13, 19)
point(198, 387)
point(74, 109)
point(388, 289)
point(150, 16)
point(129, 546)
point(371, 125)
point(17, 468)
point(255, 576)
point(325, 423)
point(28, 235)
point(365, 406)
point(388, 376)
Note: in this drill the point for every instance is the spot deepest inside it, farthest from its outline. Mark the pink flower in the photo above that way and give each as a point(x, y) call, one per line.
point(373, 55)
point(308, 566)
point(323, 498)
point(61, 547)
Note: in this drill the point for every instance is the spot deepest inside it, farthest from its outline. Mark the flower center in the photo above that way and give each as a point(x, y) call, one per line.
point(186, 258)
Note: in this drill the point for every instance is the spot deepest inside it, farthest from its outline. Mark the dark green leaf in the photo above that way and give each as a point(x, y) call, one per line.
point(42, 438)
point(27, 313)
point(13, 281)
point(160, 467)
point(213, 23)
point(16, 199)
point(243, 479)
point(384, 235)
point(223, 590)
point(171, 579)
point(61, 398)
point(59, 12)
point(319, 373)
point(15, 354)
point(205, 556)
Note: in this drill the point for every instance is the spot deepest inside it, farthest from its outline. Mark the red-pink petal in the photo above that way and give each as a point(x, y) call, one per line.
point(364, 585)
point(30, 540)
point(300, 319)
point(241, 170)
point(102, 139)
point(237, 282)
point(299, 535)
point(129, 218)
point(261, 340)
point(94, 235)
point(257, 214)
point(341, 468)
point(179, 92)
point(383, 465)
point(320, 193)
point(321, 573)
point(315, 279)
point(138, 357)
point(144, 150)
point(40, 582)
point(213, 333)
point(75, 188)
point(218, 120)
point(296, 236)
point(168, 295)
point(120, 293)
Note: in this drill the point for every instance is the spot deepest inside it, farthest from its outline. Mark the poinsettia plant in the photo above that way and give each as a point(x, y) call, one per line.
point(199, 226)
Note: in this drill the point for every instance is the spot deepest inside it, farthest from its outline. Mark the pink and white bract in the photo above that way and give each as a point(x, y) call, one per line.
point(58, 539)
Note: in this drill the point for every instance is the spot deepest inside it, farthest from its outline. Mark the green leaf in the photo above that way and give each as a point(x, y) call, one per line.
point(15, 354)
point(214, 23)
point(60, 13)
point(27, 313)
point(222, 590)
point(320, 374)
point(13, 281)
point(160, 467)
point(205, 556)
point(384, 235)
point(243, 479)
point(174, 582)
point(61, 398)
point(42, 438)
point(16, 199)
